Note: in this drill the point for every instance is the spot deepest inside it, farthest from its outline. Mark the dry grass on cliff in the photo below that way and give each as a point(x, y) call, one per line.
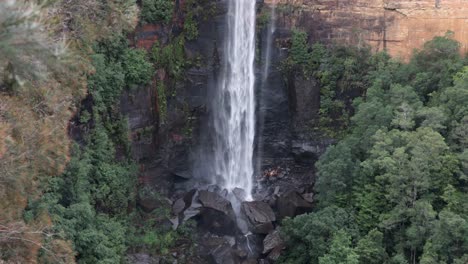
point(34, 145)
point(35, 112)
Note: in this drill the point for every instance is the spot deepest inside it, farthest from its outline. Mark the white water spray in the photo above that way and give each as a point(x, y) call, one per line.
point(270, 31)
point(234, 112)
point(269, 42)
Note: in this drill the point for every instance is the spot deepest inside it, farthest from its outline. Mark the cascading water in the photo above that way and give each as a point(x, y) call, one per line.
point(270, 30)
point(234, 112)
point(269, 43)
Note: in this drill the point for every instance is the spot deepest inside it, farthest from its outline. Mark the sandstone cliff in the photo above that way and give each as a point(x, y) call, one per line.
point(396, 25)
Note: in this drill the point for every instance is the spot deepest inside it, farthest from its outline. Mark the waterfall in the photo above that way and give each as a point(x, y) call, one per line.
point(266, 56)
point(234, 106)
point(269, 43)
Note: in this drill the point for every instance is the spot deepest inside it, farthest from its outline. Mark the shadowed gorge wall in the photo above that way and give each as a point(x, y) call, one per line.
point(396, 25)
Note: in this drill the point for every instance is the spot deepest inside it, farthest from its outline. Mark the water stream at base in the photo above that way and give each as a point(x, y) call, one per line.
point(234, 112)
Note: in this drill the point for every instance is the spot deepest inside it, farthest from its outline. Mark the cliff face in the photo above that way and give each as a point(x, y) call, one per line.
point(396, 25)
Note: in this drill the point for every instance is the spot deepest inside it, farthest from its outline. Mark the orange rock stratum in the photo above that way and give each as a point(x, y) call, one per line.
point(397, 25)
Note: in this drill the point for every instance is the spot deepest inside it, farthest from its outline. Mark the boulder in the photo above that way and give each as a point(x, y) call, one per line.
point(175, 222)
point(178, 206)
point(241, 253)
point(215, 201)
point(191, 212)
point(148, 204)
point(218, 249)
point(188, 197)
point(274, 254)
point(291, 204)
point(216, 213)
point(184, 208)
point(309, 197)
point(259, 215)
point(183, 203)
point(183, 174)
point(272, 240)
point(223, 254)
point(224, 193)
point(148, 200)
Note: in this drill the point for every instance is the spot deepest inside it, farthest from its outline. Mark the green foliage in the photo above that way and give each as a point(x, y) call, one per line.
point(162, 242)
point(340, 251)
point(138, 70)
point(155, 236)
point(264, 18)
point(90, 202)
point(190, 27)
point(341, 71)
point(170, 57)
point(299, 52)
point(116, 67)
point(162, 102)
point(342, 74)
point(434, 66)
point(107, 83)
point(401, 169)
point(154, 11)
point(196, 11)
point(310, 235)
point(336, 171)
point(112, 182)
point(370, 248)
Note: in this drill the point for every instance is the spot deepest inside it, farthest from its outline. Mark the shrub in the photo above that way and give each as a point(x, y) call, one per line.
point(299, 53)
point(162, 102)
point(170, 57)
point(190, 27)
point(153, 11)
point(138, 69)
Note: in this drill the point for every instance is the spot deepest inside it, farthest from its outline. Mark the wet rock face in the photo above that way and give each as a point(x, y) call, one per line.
point(304, 101)
point(309, 151)
point(217, 249)
point(272, 240)
point(223, 255)
point(292, 204)
point(215, 201)
point(259, 215)
point(183, 203)
point(273, 245)
point(141, 258)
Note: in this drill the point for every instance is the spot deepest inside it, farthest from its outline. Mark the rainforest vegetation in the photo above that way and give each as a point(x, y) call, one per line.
point(394, 188)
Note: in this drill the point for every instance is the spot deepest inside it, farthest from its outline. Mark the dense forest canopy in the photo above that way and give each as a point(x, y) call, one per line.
point(394, 188)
